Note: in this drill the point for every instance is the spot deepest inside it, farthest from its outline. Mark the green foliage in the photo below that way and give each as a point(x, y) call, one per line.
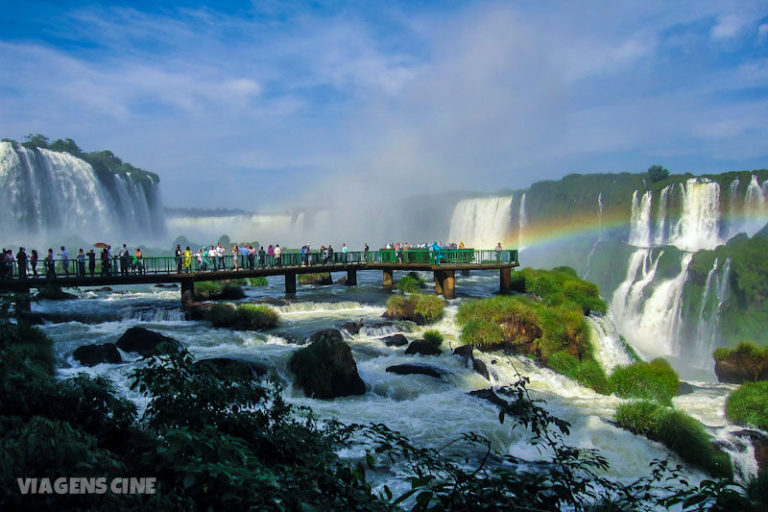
point(587, 372)
point(482, 333)
point(433, 337)
point(222, 315)
point(258, 281)
point(561, 287)
point(318, 279)
point(649, 381)
point(657, 173)
point(748, 405)
point(216, 290)
point(422, 309)
point(410, 283)
point(678, 431)
point(256, 317)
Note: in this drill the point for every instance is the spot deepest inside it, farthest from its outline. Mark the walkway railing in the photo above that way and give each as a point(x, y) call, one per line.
point(289, 258)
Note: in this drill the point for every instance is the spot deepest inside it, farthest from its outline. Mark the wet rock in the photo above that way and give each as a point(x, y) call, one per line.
point(422, 347)
point(317, 279)
point(270, 301)
point(91, 355)
point(684, 388)
point(342, 280)
point(466, 352)
point(196, 310)
point(166, 285)
point(352, 327)
point(145, 342)
point(490, 395)
point(396, 340)
point(326, 369)
point(481, 368)
point(416, 369)
point(759, 442)
point(104, 289)
point(738, 368)
point(229, 367)
point(53, 292)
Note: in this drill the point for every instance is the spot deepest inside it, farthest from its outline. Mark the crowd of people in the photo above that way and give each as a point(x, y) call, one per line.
point(214, 258)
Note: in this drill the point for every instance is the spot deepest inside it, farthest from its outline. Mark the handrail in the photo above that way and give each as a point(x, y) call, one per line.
point(289, 259)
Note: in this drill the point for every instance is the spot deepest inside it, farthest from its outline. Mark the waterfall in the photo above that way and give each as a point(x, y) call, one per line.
point(523, 222)
point(640, 227)
point(712, 301)
point(627, 299)
point(662, 223)
point(481, 223)
point(609, 347)
point(46, 193)
point(699, 224)
point(600, 235)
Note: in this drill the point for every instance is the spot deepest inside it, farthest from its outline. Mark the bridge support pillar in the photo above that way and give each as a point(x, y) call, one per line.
point(290, 283)
point(445, 283)
point(351, 278)
point(23, 306)
point(387, 278)
point(505, 280)
point(187, 292)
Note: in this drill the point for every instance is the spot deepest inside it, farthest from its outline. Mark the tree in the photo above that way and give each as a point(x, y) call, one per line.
point(657, 173)
point(36, 140)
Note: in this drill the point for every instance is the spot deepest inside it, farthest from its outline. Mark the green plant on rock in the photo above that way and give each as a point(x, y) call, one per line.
point(256, 317)
point(422, 309)
point(258, 281)
point(649, 381)
point(587, 372)
point(748, 405)
point(215, 290)
point(410, 283)
point(433, 337)
point(222, 315)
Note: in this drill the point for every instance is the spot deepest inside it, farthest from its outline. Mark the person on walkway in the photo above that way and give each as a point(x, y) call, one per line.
point(278, 254)
point(344, 251)
point(252, 256)
point(91, 261)
point(187, 260)
point(33, 263)
point(50, 265)
point(65, 260)
point(104, 262)
point(124, 258)
point(110, 268)
point(498, 252)
point(21, 262)
point(366, 251)
point(437, 252)
point(235, 256)
point(271, 255)
point(81, 263)
point(331, 257)
point(179, 255)
point(220, 255)
point(138, 261)
point(213, 256)
point(262, 257)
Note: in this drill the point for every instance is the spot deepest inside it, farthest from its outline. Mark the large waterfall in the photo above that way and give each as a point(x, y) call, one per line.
point(482, 223)
point(47, 194)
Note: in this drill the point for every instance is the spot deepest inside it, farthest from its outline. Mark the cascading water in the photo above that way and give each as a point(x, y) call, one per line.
point(640, 226)
point(47, 193)
point(481, 223)
point(699, 224)
point(523, 220)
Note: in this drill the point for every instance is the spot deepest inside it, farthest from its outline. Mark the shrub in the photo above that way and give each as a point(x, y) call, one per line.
point(649, 381)
point(410, 283)
point(587, 372)
point(482, 333)
point(678, 432)
point(256, 317)
point(748, 405)
point(433, 337)
point(317, 279)
point(422, 309)
point(215, 290)
point(222, 315)
point(430, 307)
point(258, 281)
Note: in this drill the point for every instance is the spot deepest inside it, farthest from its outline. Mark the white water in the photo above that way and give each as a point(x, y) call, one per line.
point(523, 223)
point(266, 229)
point(698, 227)
point(481, 223)
point(640, 227)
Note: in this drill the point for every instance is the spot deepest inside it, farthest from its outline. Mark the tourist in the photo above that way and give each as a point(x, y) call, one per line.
point(81, 263)
point(278, 255)
point(50, 268)
point(330, 254)
point(220, 256)
point(235, 254)
point(498, 252)
point(309, 256)
point(124, 258)
point(104, 262)
point(252, 257)
point(33, 263)
point(9, 263)
point(65, 260)
point(187, 260)
point(344, 251)
point(179, 255)
point(138, 262)
point(110, 268)
point(21, 262)
point(272, 256)
point(91, 261)
point(213, 255)
point(366, 250)
point(262, 257)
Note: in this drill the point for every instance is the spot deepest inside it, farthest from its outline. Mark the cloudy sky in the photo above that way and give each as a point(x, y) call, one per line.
point(262, 105)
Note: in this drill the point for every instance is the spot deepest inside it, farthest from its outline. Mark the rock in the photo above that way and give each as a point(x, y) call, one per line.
point(196, 310)
point(145, 342)
point(422, 347)
point(228, 367)
point(419, 369)
point(91, 355)
point(519, 330)
point(326, 369)
point(53, 292)
point(466, 351)
point(352, 327)
point(270, 301)
point(760, 444)
point(104, 289)
point(481, 368)
point(396, 340)
point(490, 395)
point(166, 285)
point(317, 279)
point(738, 368)
point(684, 388)
point(342, 280)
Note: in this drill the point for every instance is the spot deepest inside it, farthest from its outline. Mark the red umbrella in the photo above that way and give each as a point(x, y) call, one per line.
point(100, 245)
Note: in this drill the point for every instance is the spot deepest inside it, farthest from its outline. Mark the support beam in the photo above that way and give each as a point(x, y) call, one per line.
point(449, 284)
point(351, 278)
point(387, 278)
point(187, 292)
point(505, 280)
point(290, 283)
point(439, 277)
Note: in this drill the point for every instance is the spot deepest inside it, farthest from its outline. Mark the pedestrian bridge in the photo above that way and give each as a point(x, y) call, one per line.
point(153, 270)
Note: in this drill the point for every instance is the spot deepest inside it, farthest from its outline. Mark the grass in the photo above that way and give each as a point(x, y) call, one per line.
point(587, 372)
point(410, 283)
point(677, 431)
point(433, 337)
point(318, 279)
point(422, 309)
point(648, 381)
point(482, 333)
point(258, 281)
point(561, 286)
point(248, 317)
point(222, 315)
point(215, 290)
point(748, 405)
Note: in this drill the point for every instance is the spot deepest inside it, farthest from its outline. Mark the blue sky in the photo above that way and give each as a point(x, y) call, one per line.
point(269, 105)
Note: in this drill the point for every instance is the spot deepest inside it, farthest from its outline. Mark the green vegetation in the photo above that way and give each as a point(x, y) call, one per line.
point(748, 405)
point(649, 381)
point(317, 279)
point(216, 290)
point(678, 431)
point(482, 333)
point(657, 173)
point(258, 281)
point(248, 317)
point(587, 372)
point(422, 309)
point(751, 360)
point(433, 337)
point(410, 283)
point(561, 286)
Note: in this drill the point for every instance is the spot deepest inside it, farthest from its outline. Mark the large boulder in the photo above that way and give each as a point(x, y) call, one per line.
point(417, 369)
point(422, 347)
point(738, 368)
point(146, 343)
point(239, 368)
point(466, 352)
point(53, 292)
point(326, 369)
point(396, 340)
point(759, 443)
point(352, 327)
point(490, 395)
point(91, 355)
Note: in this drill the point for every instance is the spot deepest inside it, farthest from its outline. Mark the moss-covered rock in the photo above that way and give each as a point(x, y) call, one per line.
point(91, 355)
point(326, 369)
point(587, 372)
point(53, 292)
point(410, 283)
point(247, 317)
point(146, 343)
point(316, 279)
point(748, 405)
point(747, 362)
point(678, 431)
point(422, 309)
point(218, 290)
point(648, 381)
